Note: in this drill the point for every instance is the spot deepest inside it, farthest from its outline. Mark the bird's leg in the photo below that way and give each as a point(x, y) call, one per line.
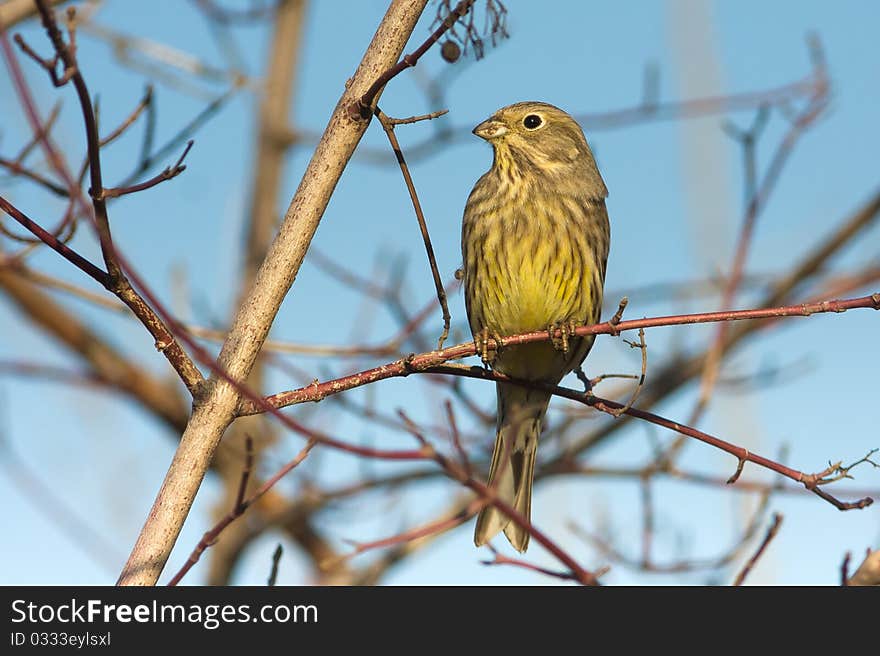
point(559, 343)
point(481, 344)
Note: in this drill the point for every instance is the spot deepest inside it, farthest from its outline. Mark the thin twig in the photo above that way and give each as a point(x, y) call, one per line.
point(149, 156)
point(167, 174)
point(55, 244)
point(771, 533)
point(431, 528)
point(416, 119)
point(144, 103)
point(241, 505)
point(388, 126)
point(16, 168)
point(635, 395)
point(456, 438)
point(618, 315)
point(363, 107)
point(276, 559)
point(811, 482)
point(430, 362)
point(500, 559)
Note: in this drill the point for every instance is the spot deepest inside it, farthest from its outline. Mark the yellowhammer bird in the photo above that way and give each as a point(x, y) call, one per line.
point(534, 245)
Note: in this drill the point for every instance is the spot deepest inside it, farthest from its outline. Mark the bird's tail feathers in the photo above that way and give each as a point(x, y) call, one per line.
point(520, 414)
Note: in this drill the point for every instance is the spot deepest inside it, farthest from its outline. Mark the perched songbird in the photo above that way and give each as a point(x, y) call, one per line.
point(534, 245)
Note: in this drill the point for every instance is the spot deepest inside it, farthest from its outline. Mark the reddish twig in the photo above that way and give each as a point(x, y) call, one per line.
point(241, 504)
point(363, 107)
point(430, 362)
point(811, 482)
point(771, 533)
point(55, 244)
point(618, 315)
point(500, 559)
point(16, 168)
point(139, 109)
point(169, 173)
point(456, 438)
point(667, 469)
point(432, 528)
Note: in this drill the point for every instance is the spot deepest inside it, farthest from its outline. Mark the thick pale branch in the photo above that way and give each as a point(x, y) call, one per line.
point(273, 116)
point(215, 410)
point(15, 11)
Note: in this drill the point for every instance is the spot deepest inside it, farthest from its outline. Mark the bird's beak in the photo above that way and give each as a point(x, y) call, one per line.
point(490, 129)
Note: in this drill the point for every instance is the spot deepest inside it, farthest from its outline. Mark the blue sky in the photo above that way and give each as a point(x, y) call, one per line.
point(675, 206)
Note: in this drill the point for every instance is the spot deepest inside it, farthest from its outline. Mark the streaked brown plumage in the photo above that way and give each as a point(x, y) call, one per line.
point(535, 239)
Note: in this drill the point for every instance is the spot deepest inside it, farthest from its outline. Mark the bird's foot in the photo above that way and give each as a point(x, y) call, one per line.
point(486, 352)
point(566, 332)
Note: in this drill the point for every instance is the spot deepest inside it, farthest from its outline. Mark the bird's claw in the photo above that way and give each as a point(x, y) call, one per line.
point(566, 331)
point(481, 344)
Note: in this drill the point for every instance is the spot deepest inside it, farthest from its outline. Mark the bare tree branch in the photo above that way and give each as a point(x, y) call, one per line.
point(216, 409)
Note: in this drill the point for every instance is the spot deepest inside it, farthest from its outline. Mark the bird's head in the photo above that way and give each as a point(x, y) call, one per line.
point(541, 139)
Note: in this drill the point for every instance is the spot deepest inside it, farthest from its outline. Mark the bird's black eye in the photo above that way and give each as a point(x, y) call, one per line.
point(532, 122)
